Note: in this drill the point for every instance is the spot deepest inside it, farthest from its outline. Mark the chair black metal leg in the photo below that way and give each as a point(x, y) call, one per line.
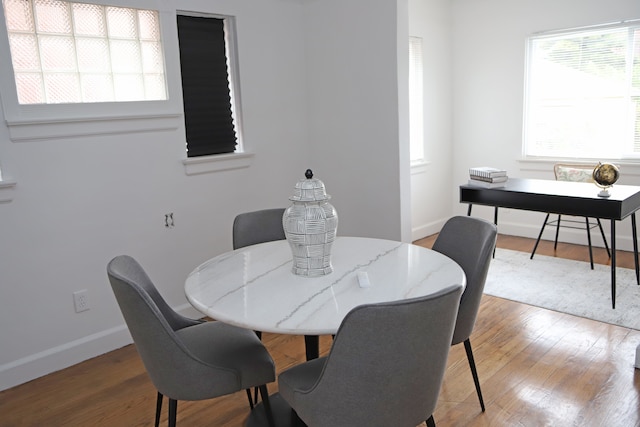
point(264, 393)
point(474, 372)
point(173, 412)
point(555, 243)
point(431, 422)
point(158, 408)
point(604, 238)
point(544, 224)
point(250, 398)
point(255, 391)
point(589, 241)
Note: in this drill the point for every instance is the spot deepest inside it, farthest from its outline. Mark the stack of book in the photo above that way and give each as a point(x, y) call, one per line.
point(487, 177)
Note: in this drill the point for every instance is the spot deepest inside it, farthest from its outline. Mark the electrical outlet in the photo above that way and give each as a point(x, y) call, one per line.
point(81, 300)
point(168, 220)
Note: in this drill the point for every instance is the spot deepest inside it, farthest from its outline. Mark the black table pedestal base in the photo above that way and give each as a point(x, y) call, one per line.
point(281, 414)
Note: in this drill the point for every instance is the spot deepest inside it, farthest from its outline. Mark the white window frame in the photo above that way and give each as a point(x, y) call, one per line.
point(624, 153)
point(240, 158)
point(56, 121)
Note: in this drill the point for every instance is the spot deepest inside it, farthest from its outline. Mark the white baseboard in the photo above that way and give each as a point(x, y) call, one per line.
point(68, 354)
point(576, 236)
point(425, 230)
point(567, 235)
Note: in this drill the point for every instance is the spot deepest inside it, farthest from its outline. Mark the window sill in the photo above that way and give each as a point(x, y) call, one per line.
point(37, 130)
point(6, 191)
point(217, 163)
point(419, 167)
point(627, 167)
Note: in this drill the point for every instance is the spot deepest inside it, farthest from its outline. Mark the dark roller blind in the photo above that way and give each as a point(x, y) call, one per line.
point(205, 86)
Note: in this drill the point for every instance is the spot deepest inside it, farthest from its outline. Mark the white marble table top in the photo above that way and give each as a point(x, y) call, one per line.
point(254, 288)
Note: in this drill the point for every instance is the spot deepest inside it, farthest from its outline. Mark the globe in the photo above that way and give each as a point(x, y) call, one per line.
point(605, 175)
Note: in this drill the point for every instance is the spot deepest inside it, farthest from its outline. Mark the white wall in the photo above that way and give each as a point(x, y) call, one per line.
point(79, 202)
point(488, 79)
point(353, 111)
point(431, 182)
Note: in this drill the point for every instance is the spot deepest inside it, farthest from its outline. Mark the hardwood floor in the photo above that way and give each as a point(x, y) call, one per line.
point(536, 368)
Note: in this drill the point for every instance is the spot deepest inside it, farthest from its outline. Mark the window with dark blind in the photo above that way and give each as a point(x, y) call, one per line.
point(206, 86)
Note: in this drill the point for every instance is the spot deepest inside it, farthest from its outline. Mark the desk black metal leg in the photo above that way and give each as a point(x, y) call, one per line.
point(469, 209)
point(589, 241)
point(613, 263)
point(555, 242)
point(535, 247)
point(604, 238)
point(312, 346)
point(635, 246)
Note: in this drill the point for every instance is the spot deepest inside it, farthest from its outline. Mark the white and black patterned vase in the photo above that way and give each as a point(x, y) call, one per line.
point(310, 225)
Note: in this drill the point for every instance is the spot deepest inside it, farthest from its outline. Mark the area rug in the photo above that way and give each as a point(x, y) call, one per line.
point(566, 286)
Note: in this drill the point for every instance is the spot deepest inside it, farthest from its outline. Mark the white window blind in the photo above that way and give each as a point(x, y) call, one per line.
point(416, 100)
point(65, 52)
point(583, 93)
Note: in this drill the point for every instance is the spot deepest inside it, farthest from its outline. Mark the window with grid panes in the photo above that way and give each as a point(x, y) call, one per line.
point(64, 52)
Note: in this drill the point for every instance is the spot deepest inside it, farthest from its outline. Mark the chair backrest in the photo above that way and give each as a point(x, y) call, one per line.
point(255, 227)
point(174, 370)
point(576, 172)
point(128, 267)
point(386, 364)
point(470, 242)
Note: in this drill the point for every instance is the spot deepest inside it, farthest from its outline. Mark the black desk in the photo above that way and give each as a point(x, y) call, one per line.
point(566, 198)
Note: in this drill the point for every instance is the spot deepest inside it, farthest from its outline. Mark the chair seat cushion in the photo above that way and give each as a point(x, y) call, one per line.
point(242, 351)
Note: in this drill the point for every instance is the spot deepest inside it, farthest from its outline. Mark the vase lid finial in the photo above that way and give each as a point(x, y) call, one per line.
point(309, 190)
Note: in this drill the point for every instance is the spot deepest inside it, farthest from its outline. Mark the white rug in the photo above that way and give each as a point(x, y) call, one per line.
point(566, 286)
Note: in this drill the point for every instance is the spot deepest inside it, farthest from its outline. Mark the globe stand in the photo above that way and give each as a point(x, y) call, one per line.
point(604, 193)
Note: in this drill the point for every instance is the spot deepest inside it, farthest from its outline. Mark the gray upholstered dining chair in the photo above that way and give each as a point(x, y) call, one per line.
point(574, 172)
point(251, 228)
point(469, 242)
point(186, 359)
point(261, 226)
point(385, 367)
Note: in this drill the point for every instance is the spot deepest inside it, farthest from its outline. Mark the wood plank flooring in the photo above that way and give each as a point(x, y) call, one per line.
point(536, 367)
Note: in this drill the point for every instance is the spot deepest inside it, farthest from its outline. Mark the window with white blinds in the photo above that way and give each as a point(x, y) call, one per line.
point(416, 100)
point(583, 93)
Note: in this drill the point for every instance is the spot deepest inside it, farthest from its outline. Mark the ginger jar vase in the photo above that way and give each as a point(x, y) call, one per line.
point(310, 225)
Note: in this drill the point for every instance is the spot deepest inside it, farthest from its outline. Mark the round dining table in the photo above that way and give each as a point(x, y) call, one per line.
point(254, 288)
